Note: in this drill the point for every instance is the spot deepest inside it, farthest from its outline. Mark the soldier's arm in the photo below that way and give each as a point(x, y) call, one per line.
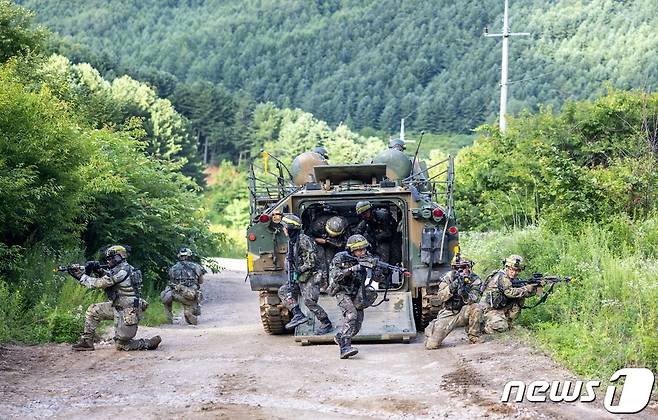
point(516, 292)
point(201, 271)
point(474, 292)
point(361, 227)
point(339, 272)
point(308, 256)
point(444, 288)
point(107, 280)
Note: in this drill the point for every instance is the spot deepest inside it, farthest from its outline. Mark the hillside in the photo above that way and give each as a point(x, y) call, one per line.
point(369, 63)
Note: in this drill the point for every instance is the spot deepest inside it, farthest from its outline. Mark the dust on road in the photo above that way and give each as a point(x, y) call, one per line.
point(228, 367)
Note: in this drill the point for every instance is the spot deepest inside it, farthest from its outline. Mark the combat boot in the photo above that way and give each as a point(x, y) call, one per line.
point(337, 338)
point(85, 344)
point(297, 319)
point(325, 327)
point(346, 349)
point(153, 342)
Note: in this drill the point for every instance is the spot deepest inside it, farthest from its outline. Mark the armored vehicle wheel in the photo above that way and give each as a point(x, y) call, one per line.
point(429, 308)
point(273, 313)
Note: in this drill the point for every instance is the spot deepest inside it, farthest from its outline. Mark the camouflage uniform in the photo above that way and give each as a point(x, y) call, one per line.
point(185, 279)
point(379, 231)
point(326, 251)
point(124, 307)
point(348, 287)
point(308, 279)
point(455, 312)
point(501, 302)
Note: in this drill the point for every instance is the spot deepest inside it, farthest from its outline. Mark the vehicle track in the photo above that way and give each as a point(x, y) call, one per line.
point(228, 367)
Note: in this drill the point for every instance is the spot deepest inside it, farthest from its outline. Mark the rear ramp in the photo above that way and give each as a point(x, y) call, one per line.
point(393, 320)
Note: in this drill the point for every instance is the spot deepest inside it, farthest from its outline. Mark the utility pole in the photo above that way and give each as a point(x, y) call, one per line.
point(503, 71)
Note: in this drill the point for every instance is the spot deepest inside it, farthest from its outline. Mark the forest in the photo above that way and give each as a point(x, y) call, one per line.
point(368, 63)
point(97, 147)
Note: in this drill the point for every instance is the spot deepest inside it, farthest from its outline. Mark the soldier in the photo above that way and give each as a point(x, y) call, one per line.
point(349, 272)
point(121, 284)
point(501, 301)
point(459, 294)
point(303, 265)
point(378, 226)
point(397, 144)
point(185, 279)
point(330, 233)
point(322, 151)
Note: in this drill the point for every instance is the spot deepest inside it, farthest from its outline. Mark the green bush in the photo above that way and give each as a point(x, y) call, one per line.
point(607, 318)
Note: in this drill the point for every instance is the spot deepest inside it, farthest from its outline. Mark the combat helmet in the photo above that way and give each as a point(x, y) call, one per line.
point(184, 253)
point(514, 261)
point(398, 144)
point(322, 151)
point(460, 262)
point(115, 255)
point(336, 226)
point(363, 206)
point(356, 242)
point(291, 221)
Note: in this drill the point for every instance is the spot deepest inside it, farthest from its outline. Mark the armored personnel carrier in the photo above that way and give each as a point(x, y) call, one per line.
point(420, 204)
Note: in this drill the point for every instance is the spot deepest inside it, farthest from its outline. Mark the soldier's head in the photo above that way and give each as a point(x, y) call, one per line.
point(462, 265)
point(184, 254)
point(292, 225)
point(335, 226)
point(357, 245)
point(322, 151)
point(364, 209)
point(513, 266)
point(276, 217)
point(115, 254)
point(397, 144)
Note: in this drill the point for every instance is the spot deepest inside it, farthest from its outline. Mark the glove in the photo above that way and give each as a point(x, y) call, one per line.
point(530, 288)
point(290, 299)
point(76, 273)
point(354, 268)
point(367, 263)
point(91, 266)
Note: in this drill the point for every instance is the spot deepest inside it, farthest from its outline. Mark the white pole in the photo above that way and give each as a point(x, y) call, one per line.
point(505, 64)
point(503, 70)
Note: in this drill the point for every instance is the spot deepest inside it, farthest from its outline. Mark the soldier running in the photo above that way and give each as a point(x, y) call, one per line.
point(121, 284)
point(501, 301)
point(306, 277)
point(185, 279)
point(459, 294)
point(349, 272)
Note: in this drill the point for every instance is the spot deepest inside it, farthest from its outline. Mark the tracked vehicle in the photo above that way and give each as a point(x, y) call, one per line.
point(422, 206)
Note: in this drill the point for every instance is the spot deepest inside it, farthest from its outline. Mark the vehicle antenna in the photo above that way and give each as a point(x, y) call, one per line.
point(420, 141)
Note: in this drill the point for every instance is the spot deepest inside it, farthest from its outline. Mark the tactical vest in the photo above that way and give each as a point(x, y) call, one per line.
point(186, 273)
point(122, 275)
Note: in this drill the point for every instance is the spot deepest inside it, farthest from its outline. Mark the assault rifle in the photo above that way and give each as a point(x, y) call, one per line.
point(370, 263)
point(541, 280)
point(462, 287)
point(80, 267)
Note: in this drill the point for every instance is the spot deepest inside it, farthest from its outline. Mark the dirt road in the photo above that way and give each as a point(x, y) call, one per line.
point(227, 367)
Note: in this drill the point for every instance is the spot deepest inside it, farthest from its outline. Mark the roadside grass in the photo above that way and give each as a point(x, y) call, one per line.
point(607, 317)
point(45, 306)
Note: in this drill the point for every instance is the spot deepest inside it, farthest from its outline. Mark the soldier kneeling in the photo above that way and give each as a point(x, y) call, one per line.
point(121, 283)
point(459, 293)
point(185, 279)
